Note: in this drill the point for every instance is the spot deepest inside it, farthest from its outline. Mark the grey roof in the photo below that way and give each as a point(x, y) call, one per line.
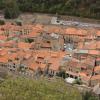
point(96, 89)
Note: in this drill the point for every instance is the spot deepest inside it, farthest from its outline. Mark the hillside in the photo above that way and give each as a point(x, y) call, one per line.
point(26, 89)
point(81, 8)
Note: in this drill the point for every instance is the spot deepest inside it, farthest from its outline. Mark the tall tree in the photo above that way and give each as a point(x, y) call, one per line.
point(11, 9)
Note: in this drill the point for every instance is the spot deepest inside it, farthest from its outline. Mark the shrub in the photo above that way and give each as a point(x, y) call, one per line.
point(2, 22)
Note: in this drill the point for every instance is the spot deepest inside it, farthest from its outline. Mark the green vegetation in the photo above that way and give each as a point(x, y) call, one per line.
point(62, 74)
point(2, 22)
point(81, 8)
point(89, 96)
point(18, 22)
point(2, 5)
point(26, 89)
point(11, 9)
point(78, 81)
point(28, 40)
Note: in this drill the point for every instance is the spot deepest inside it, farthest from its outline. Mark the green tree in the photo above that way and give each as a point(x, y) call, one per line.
point(2, 22)
point(2, 4)
point(11, 9)
point(83, 8)
point(89, 96)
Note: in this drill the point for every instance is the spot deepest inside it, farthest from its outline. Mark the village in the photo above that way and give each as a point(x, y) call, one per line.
point(51, 50)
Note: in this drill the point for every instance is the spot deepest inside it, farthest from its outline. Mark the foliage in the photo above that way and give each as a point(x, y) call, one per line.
point(11, 9)
point(26, 89)
point(2, 5)
point(2, 22)
point(78, 81)
point(28, 40)
point(18, 22)
point(82, 8)
point(62, 74)
point(89, 96)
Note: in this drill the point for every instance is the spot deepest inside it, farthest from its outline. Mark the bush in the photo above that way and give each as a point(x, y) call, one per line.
point(11, 9)
point(62, 74)
point(69, 7)
point(89, 96)
point(2, 22)
point(19, 23)
point(78, 81)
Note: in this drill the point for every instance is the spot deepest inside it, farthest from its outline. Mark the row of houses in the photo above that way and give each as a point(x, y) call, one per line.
point(47, 50)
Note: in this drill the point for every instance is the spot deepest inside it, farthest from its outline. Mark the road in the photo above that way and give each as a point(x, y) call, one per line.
point(55, 21)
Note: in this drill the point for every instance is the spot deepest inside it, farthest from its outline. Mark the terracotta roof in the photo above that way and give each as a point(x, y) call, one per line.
point(83, 74)
point(33, 66)
point(1, 32)
point(12, 56)
point(3, 52)
point(53, 29)
point(45, 45)
point(2, 37)
point(98, 59)
point(97, 68)
point(4, 58)
point(93, 45)
point(98, 33)
point(74, 31)
point(95, 77)
point(88, 61)
point(55, 65)
point(33, 34)
point(23, 45)
point(94, 52)
point(71, 31)
point(98, 44)
point(39, 26)
point(42, 66)
point(27, 55)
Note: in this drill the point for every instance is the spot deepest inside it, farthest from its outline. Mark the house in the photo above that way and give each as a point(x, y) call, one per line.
point(36, 50)
point(98, 35)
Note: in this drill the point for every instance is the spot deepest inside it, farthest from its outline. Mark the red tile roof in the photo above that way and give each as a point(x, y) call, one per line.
point(98, 33)
point(2, 37)
point(74, 31)
point(95, 77)
point(94, 52)
point(97, 68)
point(23, 45)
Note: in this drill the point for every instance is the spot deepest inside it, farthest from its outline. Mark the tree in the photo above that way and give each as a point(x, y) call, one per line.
point(18, 22)
point(11, 9)
point(89, 96)
point(62, 72)
point(83, 8)
point(2, 22)
point(1, 4)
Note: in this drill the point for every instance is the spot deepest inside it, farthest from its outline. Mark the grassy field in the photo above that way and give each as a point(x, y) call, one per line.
point(27, 89)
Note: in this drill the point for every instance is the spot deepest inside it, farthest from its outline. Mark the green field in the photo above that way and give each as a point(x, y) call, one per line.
point(26, 89)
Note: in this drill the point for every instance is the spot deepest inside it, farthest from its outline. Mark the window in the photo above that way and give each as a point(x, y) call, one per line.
point(13, 66)
point(96, 73)
point(9, 60)
point(48, 41)
point(16, 58)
